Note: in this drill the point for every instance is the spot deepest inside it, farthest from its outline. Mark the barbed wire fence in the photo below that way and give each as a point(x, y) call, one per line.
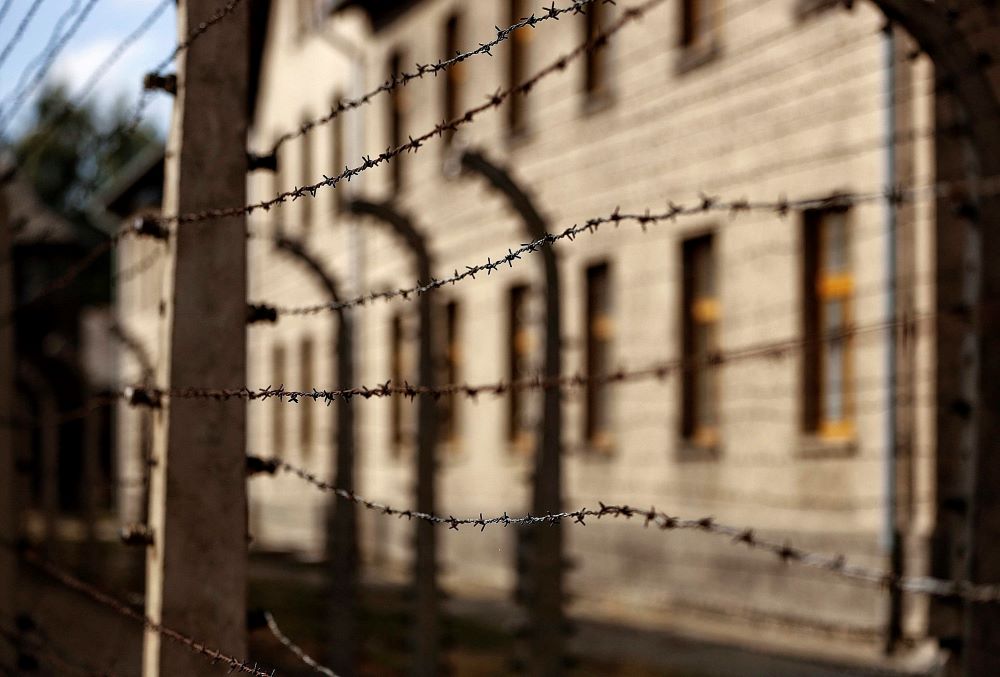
point(165, 227)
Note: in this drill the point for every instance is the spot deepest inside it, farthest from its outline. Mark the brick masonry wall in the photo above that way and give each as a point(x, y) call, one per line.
point(792, 106)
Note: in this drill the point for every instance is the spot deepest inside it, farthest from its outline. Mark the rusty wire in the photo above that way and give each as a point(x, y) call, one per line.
point(397, 80)
point(145, 97)
point(70, 581)
point(494, 100)
point(784, 551)
point(272, 625)
point(671, 213)
point(153, 397)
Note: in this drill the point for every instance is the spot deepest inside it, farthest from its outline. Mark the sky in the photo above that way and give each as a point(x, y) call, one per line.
point(107, 24)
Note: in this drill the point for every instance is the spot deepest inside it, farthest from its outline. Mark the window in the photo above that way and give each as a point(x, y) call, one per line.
point(337, 155)
point(698, 23)
point(278, 186)
point(599, 333)
point(596, 77)
point(306, 405)
point(453, 76)
point(399, 370)
point(306, 161)
point(397, 110)
point(700, 341)
point(520, 429)
point(306, 15)
point(828, 285)
point(279, 405)
point(517, 60)
point(450, 372)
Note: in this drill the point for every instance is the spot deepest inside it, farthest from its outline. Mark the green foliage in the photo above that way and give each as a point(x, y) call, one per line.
point(69, 151)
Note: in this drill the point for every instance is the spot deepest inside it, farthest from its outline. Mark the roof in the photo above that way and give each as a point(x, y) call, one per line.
point(33, 222)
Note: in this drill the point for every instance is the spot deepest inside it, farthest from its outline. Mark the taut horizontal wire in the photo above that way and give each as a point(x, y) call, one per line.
point(140, 395)
point(397, 80)
point(72, 582)
point(415, 143)
point(837, 564)
point(673, 211)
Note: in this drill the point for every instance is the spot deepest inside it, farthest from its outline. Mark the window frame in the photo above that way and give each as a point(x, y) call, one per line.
point(597, 88)
point(700, 311)
point(307, 353)
point(520, 347)
point(449, 430)
point(454, 76)
point(397, 120)
point(518, 55)
point(598, 410)
point(279, 422)
point(821, 288)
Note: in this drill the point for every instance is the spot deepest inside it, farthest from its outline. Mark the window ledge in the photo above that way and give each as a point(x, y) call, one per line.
point(816, 446)
point(688, 451)
point(597, 102)
point(593, 452)
point(806, 9)
point(519, 137)
point(693, 57)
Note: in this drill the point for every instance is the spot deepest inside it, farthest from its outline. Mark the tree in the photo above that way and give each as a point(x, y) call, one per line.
point(70, 150)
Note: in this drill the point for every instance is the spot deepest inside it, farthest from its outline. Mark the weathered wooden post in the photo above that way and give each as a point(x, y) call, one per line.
point(196, 566)
point(342, 518)
point(545, 577)
point(427, 628)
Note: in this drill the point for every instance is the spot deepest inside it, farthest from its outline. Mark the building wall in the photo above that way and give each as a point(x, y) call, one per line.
point(792, 105)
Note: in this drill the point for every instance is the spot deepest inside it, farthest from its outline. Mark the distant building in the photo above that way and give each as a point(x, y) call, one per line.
point(785, 98)
point(66, 471)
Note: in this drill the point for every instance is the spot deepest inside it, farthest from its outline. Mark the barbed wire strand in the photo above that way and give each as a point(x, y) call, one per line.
point(57, 43)
point(70, 581)
point(272, 625)
point(141, 395)
point(494, 100)
point(146, 96)
point(706, 204)
point(786, 552)
point(19, 31)
point(403, 78)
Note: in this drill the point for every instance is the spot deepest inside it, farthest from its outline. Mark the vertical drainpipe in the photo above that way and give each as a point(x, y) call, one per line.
point(891, 537)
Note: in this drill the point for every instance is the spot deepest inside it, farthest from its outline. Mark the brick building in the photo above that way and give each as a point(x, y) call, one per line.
point(780, 98)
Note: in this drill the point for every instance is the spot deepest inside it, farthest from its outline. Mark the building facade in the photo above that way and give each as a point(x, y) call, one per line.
point(730, 99)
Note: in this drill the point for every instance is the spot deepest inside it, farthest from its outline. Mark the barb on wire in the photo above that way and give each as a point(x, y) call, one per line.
point(671, 213)
point(494, 100)
point(103, 598)
point(397, 80)
point(272, 625)
point(153, 397)
point(782, 207)
point(19, 31)
point(45, 60)
point(158, 70)
point(784, 551)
